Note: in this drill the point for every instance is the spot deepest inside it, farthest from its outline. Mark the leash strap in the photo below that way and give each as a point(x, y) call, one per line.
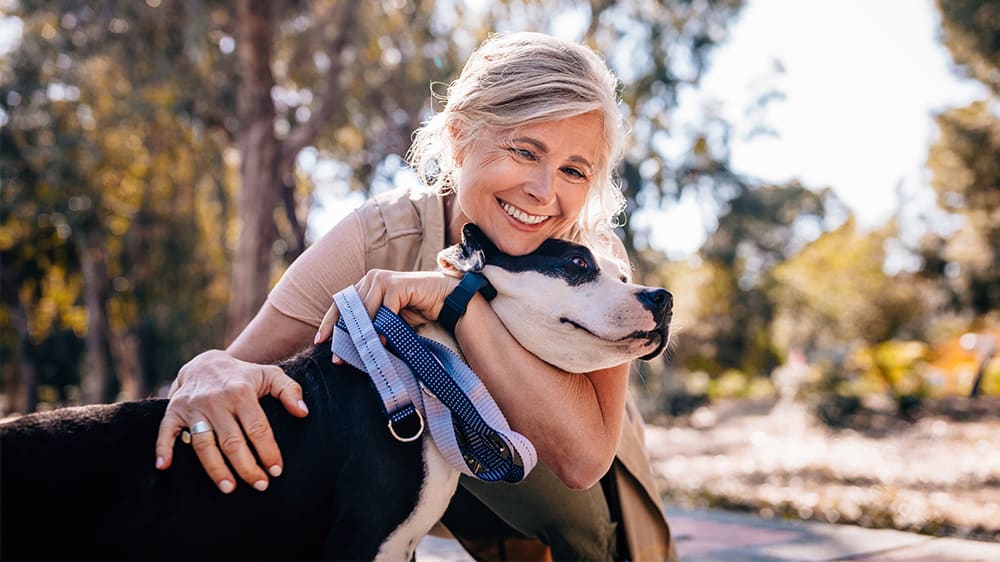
point(392, 379)
point(489, 447)
point(465, 422)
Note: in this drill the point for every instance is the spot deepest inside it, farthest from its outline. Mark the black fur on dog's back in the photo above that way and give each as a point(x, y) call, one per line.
point(79, 483)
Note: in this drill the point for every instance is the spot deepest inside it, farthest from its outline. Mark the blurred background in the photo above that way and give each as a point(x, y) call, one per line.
point(818, 183)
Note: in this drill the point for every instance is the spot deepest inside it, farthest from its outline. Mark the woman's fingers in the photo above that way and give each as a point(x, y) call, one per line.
point(207, 449)
point(285, 389)
point(232, 437)
point(170, 426)
point(327, 324)
point(415, 296)
point(226, 421)
point(255, 424)
point(372, 294)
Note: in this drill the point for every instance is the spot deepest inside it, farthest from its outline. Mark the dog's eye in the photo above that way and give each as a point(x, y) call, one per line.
point(579, 262)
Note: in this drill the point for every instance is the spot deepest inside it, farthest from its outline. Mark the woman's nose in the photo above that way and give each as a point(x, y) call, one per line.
point(541, 185)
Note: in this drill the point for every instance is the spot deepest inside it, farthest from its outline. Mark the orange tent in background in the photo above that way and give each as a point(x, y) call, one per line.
point(955, 364)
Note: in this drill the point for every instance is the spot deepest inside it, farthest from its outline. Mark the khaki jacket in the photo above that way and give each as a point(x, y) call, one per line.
point(404, 232)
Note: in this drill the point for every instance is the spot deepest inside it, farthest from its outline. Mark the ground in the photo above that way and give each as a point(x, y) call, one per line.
point(938, 474)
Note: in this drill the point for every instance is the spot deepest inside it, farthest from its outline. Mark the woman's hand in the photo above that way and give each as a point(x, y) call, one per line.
point(224, 392)
point(417, 297)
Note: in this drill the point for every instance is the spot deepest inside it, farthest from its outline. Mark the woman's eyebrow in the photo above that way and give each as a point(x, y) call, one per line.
point(541, 147)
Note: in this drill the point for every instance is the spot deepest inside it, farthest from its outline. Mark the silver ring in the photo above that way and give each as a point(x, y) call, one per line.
point(200, 427)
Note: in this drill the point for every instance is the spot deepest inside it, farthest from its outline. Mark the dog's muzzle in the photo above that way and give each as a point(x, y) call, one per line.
point(660, 303)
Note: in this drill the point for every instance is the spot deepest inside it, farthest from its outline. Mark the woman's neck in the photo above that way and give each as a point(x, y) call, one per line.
point(454, 219)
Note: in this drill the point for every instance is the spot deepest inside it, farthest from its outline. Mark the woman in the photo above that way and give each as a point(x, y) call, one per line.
point(524, 148)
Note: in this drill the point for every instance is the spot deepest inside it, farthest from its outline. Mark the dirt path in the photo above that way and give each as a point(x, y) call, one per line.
point(935, 476)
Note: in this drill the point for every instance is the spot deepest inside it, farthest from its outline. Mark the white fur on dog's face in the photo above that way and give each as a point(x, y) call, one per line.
point(564, 305)
point(577, 329)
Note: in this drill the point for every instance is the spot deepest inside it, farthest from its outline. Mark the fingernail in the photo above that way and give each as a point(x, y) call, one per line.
point(226, 486)
point(275, 471)
point(260, 485)
point(317, 338)
point(302, 406)
point(336, 360)
point(159, 462)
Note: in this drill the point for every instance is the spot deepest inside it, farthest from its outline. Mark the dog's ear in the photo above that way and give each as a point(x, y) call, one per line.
point(474, 237)
point(470, 255)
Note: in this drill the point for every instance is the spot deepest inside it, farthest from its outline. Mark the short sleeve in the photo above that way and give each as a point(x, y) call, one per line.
point(332, 263)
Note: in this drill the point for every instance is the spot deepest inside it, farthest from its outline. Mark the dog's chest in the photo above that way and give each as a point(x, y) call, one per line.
point(440, 481)
point(434, 331)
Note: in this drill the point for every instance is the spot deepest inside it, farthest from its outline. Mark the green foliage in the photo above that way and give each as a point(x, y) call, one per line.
point(965, 167)
point(120, 155)
point(737, 384)
point(728, 304)
point(121, 168)
point(971, 31)
point(835, 293)
point(893, 367)
point(115, 203)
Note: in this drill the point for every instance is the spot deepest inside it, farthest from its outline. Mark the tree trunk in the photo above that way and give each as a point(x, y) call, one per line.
point(95, 376)
point(128, 366)
point(23, 396)
point(259, 166)
point(267, 164)
point(20, 380)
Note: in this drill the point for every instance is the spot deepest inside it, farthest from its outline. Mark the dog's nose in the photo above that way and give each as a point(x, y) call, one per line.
point(658, 301)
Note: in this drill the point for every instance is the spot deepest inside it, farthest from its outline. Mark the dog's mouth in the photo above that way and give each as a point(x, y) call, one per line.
point(657, 337)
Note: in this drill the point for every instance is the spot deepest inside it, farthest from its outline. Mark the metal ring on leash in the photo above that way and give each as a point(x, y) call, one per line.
point(415, 436)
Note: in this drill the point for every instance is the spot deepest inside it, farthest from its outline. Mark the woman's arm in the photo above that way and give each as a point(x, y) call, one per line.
point(574, 420)
point(223, 388)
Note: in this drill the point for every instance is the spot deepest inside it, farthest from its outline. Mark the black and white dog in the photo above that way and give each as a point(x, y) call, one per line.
point(79, 483)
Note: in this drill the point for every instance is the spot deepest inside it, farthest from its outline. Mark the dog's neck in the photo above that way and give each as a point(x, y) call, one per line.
point(436, 332)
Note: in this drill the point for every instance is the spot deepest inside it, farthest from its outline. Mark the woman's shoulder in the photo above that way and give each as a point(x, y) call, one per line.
point(402, 227)
point(401, 211)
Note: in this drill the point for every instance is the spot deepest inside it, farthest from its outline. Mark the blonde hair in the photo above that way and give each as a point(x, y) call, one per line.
point(515, 79)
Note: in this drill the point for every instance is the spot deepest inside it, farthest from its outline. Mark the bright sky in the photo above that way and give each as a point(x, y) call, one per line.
point(862, 79)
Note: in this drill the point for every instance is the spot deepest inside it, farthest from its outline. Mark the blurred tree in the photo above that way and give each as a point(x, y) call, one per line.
point(971, 31)
point(965, 163)
point(658, 50)
point(965, 168)
point(130, 128)
point(835, 294)
point(760, 228)
point(267, 161)
point(347, 78)
point(106, 162)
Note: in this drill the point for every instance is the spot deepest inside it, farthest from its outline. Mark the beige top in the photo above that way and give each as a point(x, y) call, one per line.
point(404, 231)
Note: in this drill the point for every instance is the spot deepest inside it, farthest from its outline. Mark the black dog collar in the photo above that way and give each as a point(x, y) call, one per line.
point(458, 301)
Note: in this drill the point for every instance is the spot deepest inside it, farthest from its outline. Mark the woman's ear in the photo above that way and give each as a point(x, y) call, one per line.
point(457, 147)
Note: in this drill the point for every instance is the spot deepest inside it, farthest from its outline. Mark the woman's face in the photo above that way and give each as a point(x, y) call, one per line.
point(526, 190)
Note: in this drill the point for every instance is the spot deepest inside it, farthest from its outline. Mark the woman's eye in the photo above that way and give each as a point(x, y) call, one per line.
point(575, 173)
point(524, 153)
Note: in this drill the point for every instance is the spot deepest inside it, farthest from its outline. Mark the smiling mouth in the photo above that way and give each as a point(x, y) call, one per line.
point(520, 216)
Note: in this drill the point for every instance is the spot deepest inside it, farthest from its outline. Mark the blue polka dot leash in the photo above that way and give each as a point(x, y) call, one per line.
point(422, 378)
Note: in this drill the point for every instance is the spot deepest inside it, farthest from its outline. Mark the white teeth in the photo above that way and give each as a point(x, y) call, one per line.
point(521, 215)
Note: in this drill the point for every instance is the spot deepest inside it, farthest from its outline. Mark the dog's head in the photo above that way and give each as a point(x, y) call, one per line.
point(566, 306)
